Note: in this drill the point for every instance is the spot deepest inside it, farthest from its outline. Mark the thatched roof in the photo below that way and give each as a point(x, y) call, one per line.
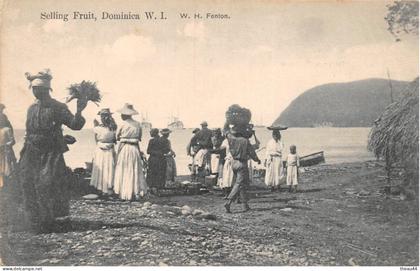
point(396, 133)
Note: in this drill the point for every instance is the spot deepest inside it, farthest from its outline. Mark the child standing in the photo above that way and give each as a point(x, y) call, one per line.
point(292, 169)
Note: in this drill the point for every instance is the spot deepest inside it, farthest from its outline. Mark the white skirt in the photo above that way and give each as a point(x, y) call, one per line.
point(227, 176)
point(292, 175)
point(201, 157)
point(274, 175)
point(129, 180)
point(214, 163)
point(103, 169)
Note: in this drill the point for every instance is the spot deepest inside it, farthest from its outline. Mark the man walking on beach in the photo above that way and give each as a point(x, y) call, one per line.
point(241, 150)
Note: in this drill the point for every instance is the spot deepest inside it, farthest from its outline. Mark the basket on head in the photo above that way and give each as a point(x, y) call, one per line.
point(237, 115)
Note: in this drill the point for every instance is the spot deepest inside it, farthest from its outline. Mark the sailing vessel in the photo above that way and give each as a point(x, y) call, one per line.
point(145, 124)
point(260, 123)
point(175, 124)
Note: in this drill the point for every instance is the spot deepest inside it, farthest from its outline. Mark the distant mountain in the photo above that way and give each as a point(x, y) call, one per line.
point(352, 104)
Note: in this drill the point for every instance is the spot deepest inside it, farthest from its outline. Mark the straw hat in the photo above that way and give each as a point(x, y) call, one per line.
point(204, 123)
point(165, 131)
point(105, 111)
point(127, 109)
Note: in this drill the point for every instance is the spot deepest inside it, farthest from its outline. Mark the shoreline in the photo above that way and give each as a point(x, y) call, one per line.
point(339, 216)
point(307, 140)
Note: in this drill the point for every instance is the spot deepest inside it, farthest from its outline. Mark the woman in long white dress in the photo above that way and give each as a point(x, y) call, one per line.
point(129, 180)
point(226, 180)
point(274, 175)
point(104, 156)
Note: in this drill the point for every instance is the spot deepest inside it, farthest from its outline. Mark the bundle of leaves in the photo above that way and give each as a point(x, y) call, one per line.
point(395, 135)
point(238, 116)
point(84, 90)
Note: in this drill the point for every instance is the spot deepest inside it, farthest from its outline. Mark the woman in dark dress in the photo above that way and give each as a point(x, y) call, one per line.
point(42, 168)
point(169, 155)
point(157, 162)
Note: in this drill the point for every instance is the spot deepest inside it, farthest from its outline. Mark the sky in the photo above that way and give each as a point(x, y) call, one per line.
point(263, 57)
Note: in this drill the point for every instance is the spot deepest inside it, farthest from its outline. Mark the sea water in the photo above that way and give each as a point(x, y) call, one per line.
point(339, 144)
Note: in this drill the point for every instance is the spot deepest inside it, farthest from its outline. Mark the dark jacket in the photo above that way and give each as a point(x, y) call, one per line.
point(241, 149)
point(44, 121)
point(203, 138)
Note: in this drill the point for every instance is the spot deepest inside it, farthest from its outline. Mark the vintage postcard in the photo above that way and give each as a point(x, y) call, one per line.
point(209, 133)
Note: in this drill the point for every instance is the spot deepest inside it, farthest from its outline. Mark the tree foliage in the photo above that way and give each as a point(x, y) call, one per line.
point(403, 18)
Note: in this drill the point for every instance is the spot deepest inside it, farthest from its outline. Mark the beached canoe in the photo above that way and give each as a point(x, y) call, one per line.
point(312, 159)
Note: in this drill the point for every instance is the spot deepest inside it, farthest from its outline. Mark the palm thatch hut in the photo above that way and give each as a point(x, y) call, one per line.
point(395, 135)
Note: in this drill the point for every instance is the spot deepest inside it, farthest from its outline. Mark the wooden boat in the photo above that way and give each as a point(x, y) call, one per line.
point(278, 127)
point(312, 159)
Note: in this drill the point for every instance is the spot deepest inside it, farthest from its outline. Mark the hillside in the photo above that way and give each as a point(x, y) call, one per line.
point(352, 104)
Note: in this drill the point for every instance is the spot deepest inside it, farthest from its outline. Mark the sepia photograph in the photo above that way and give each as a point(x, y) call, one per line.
point(214, 133)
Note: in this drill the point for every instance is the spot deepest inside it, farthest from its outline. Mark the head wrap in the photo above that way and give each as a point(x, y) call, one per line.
point(41, 79)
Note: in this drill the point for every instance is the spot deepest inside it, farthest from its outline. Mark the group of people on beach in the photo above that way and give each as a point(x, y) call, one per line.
point(215, 152)
point(123, 172)
point(119, 167)
point(39, 179)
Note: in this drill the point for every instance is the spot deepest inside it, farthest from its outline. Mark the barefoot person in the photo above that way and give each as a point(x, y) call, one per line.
point(274, 163)
point(129, 180)
point(292, 163)
point(42, 167)
point(241, 150)
point(104, 156)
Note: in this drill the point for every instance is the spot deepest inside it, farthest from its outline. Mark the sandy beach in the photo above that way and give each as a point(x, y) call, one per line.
point(340, 216)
